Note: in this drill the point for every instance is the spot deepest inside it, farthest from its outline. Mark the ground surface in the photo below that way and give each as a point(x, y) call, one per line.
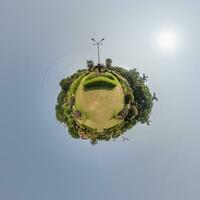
point(100, 105)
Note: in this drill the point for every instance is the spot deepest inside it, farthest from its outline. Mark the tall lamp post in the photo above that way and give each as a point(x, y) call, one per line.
point(98, 43)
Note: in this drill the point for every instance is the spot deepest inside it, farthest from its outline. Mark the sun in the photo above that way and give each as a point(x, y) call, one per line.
point(167, 40)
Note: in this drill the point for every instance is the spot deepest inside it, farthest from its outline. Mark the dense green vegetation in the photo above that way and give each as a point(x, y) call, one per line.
point(99, 84)
point(138, 100)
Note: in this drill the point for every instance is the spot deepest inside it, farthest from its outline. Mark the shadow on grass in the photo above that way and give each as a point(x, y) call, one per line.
point(98, 85)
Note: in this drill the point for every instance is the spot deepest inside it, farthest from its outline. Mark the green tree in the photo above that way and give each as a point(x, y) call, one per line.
point(65, 83)
point(108, 62)
point(90, 64)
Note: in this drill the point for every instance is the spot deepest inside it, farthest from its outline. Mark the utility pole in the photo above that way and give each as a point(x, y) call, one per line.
point(98, 50)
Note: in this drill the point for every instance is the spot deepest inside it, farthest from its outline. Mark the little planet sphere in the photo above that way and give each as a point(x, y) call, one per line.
point(103, 101)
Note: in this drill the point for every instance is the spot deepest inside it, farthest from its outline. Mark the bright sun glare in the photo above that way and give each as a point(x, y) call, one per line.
point(167, 40)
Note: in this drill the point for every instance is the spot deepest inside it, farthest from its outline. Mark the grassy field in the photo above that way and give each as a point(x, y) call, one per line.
point(100, 103)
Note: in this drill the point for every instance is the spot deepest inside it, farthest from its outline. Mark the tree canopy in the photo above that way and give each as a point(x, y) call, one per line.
point(138, 101)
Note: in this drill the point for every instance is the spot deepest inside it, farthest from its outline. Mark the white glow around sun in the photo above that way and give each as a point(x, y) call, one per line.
point(167, 40)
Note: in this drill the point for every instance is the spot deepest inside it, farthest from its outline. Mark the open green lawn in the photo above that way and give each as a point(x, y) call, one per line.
point(101, 101)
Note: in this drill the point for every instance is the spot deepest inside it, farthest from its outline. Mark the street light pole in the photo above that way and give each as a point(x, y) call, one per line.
point(98, 53)
point(98, 49)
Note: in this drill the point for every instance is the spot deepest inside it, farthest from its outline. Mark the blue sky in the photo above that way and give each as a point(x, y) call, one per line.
point(43, 41)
